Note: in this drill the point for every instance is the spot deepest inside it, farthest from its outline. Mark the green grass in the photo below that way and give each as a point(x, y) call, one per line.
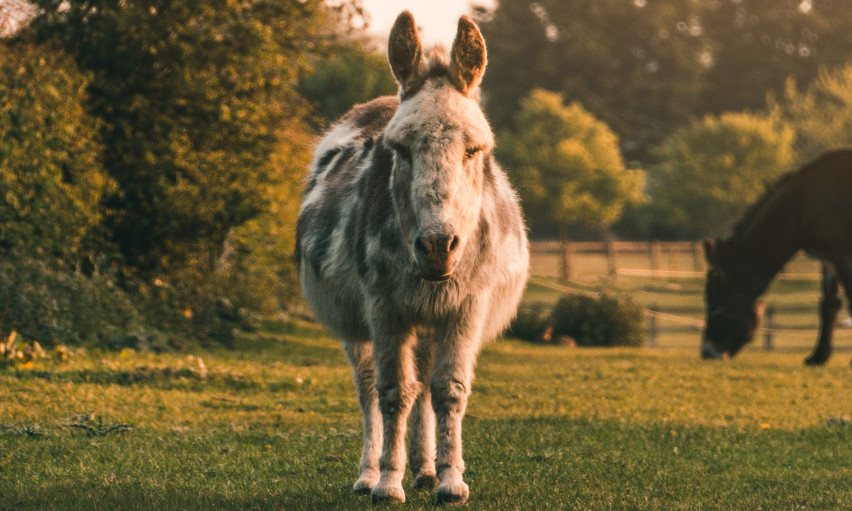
point(274, 424)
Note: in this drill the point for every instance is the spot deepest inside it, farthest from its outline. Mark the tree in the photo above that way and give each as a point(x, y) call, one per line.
point(753, 46)
point(820, 114)
point(351, 75)
point(566, 164)
point(647, 67)
point(627, 64)
point(192, 98)
point(51, 180)
point(711, 170)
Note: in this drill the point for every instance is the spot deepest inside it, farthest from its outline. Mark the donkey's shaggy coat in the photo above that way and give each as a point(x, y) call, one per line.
point(412, 248)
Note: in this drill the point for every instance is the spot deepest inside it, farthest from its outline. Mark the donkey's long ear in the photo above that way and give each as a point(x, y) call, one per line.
point(405, 53)
point(468, 59)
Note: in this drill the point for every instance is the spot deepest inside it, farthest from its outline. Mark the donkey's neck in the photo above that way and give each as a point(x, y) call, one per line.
point(768, 237)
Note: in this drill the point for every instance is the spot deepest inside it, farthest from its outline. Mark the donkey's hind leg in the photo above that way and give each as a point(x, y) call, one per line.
point(421, 446)
point(829, 307)
point(843, 267)
point(361, 357)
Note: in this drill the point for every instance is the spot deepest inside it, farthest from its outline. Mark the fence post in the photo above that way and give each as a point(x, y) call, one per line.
point(698, 257)
point(769, 315)
point(653, 329)
point(655, 259)
point(612, 263)
point(565, 262)
point(674, 259)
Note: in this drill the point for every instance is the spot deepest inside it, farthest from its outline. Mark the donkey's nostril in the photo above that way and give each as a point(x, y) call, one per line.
point(421, 247)
point(454, 243)
point(436, 245)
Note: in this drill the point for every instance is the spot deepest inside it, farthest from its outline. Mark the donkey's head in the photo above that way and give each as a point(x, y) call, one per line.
point(733, 313)
point(441, 143)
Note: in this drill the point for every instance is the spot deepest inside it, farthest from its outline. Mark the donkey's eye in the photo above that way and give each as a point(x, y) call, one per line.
point(403, 152)
point(470, 152)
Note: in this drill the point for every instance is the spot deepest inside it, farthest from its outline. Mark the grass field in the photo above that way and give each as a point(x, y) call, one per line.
point(274, 424)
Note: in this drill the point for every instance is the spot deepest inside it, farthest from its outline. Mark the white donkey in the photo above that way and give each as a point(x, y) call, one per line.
point(412, 248)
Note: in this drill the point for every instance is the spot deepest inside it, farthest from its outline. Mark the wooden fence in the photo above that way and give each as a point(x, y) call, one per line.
point(656, 259)
point(667, 280)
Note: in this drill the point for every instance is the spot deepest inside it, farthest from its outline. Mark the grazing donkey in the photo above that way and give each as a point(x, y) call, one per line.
point(807, 209)
point(412, 248)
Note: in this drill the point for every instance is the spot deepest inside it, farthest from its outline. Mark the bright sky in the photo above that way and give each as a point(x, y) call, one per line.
point(438, 19)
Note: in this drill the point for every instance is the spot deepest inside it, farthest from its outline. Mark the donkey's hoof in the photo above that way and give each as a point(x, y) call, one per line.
point(815, 360)
point(454, 494)
point(364, 485)
point(388, 495)
point(425, 481)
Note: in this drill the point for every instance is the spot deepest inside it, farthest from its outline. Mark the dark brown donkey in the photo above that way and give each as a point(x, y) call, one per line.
point(808, 209)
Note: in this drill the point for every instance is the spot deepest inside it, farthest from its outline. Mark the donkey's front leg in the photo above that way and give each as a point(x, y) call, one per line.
point(450, 385)
point(397, 388)
point(361, 357)
point(421, 440)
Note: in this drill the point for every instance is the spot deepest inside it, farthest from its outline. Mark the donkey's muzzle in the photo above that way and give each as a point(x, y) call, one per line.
point(709, 351)
point(435, 255)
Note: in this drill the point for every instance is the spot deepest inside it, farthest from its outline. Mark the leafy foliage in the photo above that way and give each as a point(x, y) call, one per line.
point(530, 322)
point(566, 164)
point(58, 307)
point(646, 68)
point(192, 97)
point(599, 321)
point(350, 76)
point(51, 180)
point(820, 114)
point(712, 169)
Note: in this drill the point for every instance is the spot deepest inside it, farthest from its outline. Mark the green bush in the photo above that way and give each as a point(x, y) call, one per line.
point(599, 321)
point(51, 180)
point(56, 307)
point(530, 323)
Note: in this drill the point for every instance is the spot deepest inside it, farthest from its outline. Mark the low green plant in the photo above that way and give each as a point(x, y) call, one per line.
point(604, 320)
point(531, 322)
point(55, 307)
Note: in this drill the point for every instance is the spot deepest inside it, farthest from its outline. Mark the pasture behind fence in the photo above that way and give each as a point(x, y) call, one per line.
point(667, 278)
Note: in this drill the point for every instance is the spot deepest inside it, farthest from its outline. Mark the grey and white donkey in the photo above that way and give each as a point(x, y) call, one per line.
point(412, 248)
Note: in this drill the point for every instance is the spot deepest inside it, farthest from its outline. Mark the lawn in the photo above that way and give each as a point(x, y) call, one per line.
point(274, 424)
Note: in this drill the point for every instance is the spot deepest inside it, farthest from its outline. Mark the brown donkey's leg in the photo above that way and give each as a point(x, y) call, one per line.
point(829, 307)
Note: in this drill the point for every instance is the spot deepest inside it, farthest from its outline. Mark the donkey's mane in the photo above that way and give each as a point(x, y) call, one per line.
point(436, 66)
point(826, 160)
point(438, 63)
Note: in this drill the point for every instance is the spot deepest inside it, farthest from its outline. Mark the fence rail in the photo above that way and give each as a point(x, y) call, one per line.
point(667, 279)
point(656, 259)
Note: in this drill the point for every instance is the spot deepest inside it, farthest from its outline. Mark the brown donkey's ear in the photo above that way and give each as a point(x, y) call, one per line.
point(405, 53)
point(468, 59)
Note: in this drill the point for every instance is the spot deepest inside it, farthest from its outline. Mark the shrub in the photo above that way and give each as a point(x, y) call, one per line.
point(50, 175)
point(602, 321)
point(531, 322)
point(56, 307)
